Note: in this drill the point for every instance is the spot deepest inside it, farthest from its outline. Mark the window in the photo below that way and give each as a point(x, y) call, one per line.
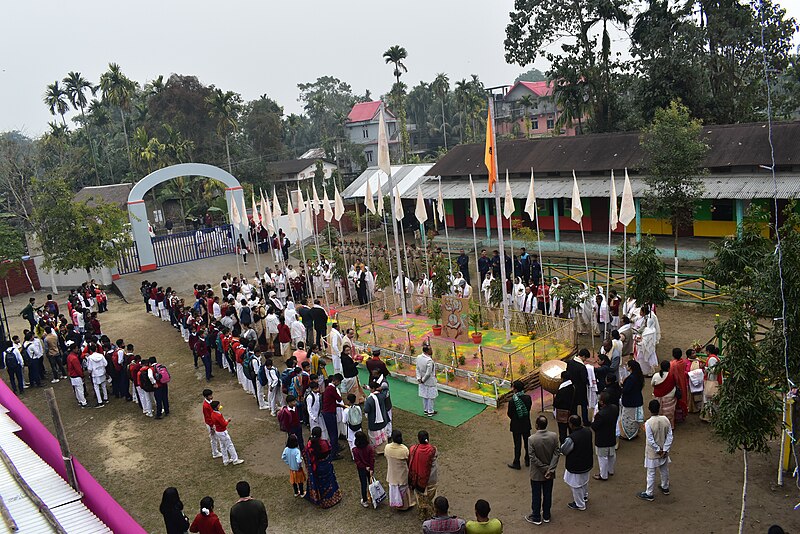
point(366, 133)
point(722, 210)
point(535, 124)
point(368, 154)
point(550, 124)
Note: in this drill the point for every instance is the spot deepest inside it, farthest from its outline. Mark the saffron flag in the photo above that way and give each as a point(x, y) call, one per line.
point(577, 207)
point(474, 214)
point(276, 207)
point(338, 205)
point(530, 203)
point(440, 203)
point(421, 212)
point(398, 205)
point(508, 206)
point(383, 146)
point(490, 157)
point(613, 218)
point(627, 210)
point(327, 213)
point(369, 202)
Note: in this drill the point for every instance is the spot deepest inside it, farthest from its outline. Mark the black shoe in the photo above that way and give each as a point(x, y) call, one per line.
point(157, 417)
point(527, 462)
point(514, 466)
point(665, 491)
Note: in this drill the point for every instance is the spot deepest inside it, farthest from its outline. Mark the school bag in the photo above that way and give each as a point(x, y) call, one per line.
point(286, 380)
point(144, 380)
point(354, 418)
point(262, 376)
point(161, 373)
point(247, 365)
point(10, 360)
point(283, 419)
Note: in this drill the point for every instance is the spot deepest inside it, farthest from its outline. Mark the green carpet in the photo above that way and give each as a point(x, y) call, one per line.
point(452, 410)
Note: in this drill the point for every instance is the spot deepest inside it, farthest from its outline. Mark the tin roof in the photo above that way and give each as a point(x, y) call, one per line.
point(405, 177)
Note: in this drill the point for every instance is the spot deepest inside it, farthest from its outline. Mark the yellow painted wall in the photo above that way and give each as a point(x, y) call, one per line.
point(654, 226)
point(714, 228)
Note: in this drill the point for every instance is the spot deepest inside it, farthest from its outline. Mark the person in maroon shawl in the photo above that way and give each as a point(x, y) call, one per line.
point(323, 490)
point(423, 474)
point(677, 369)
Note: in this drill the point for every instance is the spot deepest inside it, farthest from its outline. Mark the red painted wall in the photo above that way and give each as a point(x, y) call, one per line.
point(17, 281)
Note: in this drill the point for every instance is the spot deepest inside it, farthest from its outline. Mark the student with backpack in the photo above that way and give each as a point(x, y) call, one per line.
point(353, 418)
point(313, 406)
point(274, 397)
point(289, 419)
point(33, 352)
point(161, 378)
point(249, 375)
point(12, 357)
point(147, 388)
point(259, 370)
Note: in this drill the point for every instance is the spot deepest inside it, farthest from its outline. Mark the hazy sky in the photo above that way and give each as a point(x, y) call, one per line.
point(251, 47)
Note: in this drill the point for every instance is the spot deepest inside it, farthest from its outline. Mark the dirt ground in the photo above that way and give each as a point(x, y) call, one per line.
point(135, 457)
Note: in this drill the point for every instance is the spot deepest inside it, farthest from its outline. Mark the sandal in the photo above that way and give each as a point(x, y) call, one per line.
point(598, 477)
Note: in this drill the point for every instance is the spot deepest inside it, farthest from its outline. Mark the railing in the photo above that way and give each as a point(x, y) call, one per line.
point(128, 261)
point(194, 245)
point(690, 287)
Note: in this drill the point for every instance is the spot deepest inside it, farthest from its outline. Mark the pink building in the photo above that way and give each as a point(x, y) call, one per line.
point(543, 113)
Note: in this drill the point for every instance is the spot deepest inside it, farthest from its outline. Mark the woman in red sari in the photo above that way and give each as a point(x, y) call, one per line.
point(677, 368)
point(323, 490)
point(423, 474)
point(664, 390)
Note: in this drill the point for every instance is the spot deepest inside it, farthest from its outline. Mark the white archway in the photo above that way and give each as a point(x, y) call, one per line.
point(137, 212)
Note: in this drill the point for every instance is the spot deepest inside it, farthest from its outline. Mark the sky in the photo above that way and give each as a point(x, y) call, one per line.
point(251, 47)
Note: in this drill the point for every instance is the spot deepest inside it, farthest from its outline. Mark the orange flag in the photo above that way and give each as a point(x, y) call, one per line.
point(490, 158)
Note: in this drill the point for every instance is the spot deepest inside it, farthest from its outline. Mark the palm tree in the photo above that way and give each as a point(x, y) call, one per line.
point(527, 103)
point(396, 54)
point(56, 100)
point(75, 87)
point(225, 108)
point(118, 90)
point(441, 86)
point(462, 99)
point(571, 102)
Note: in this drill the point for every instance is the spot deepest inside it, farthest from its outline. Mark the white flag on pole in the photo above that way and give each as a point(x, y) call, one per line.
point(474, 214)
point(530, 203)
point(307, 221)
point(577, 207)
point(508, 205)
point(627, 210)
point(327, 213)
point(440, 204)
point(383, 145)
point(315, 203)
point(266, 214)
point(421, 212)
point(398, 205)
point(613, 218)
point(256, 218)
point(276, 207)
point(369, 202)
point(236, 219)
point(379, 209)
point(290, 212)
point(338, 205)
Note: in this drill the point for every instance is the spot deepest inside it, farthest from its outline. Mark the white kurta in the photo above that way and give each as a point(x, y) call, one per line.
point(426, 373)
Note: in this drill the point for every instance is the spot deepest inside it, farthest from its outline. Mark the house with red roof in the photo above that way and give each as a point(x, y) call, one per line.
point(362, 128)
point(543, 114)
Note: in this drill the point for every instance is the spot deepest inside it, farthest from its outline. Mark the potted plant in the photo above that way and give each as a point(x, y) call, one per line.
point(435, 313)
point(474, 317)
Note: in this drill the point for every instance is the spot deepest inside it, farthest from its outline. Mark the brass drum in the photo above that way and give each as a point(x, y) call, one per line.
point(550, 374)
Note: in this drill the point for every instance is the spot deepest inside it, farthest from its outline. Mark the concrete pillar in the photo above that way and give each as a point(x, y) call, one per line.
point(638, 203)
point(556, 226)
point(739, 217)
point(488, 218)
point(137, 214)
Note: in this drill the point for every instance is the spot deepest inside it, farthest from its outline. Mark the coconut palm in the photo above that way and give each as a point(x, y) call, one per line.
point(396, 54)
point(441, 86)
point(225, 109)
point(56, 100)
point(118, 90)
point(75, 87)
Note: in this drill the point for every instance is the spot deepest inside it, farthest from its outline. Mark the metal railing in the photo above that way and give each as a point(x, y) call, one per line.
point(194, 245)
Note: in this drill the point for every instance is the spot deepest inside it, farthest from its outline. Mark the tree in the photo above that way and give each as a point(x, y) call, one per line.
point(441, 86)
point(395, 55)
point(12, 247)
point(532, 75)
point(646, 282)
point(527, 103)
point(674, 150)
point(56, 100)
point(75, 87)
point(225, 109)
point(75, 235)
point(737, 260)
point(263, 127)
point(118, 91)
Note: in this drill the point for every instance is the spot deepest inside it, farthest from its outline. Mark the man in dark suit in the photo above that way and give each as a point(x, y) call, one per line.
point(519, 412)
point(580, 379)
point(605, 436)
point(484, 265)
point(320, 317)
point(248, 515)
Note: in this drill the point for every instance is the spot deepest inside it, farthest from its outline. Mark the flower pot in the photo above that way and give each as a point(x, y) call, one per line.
point(477, 337)
point(437, 330)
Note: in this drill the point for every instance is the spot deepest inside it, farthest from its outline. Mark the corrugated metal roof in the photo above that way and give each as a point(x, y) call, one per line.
point(741, 187)
point(406, 177)
point(63, 501)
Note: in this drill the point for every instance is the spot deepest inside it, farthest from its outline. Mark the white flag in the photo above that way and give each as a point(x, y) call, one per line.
point(627, 210)
point(327, 213)
point(613, 218)
point(290, 212)
point(421, 212)
point(440, 204)
point(398, 205)
point(474, 214)
point(276, 207)
point(383, 146)
point(306, 211)
point(530, 203)
point(236, 219)
point(315, 203)
point(369, 202)
point(266, 214)
point(256, 219)
point(380, 207)
point(338, 205)
point(508, 207)
point(577, 207)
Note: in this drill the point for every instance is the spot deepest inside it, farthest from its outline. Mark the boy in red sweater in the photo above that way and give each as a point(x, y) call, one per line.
point(208, 411)
point(289, 419)
point(220, 424)
point(75, 372)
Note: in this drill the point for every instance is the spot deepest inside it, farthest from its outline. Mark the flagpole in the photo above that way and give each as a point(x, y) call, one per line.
point(234, 231)
point(446, 233)
point(588, 284)
point(386, 235)
point(400, 273)
point(319, 255)
point(475, 243)
point(539, 244)
point(499, 216)
point(612, 198)
point(301, 234)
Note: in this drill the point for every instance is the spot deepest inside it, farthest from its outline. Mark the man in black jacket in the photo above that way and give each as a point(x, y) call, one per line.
point(248, 515)
point(563, 405)
point(519, 412)
point(605, 436)
point(320, 317)
point(579, 462)
point(580, 379)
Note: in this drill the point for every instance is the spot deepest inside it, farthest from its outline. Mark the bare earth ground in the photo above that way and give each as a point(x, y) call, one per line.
point(135, 458)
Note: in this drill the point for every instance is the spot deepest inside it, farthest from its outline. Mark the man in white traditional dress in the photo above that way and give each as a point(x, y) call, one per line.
point(426, 377)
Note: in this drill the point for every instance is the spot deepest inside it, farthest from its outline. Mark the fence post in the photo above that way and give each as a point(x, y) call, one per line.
point(408, 336)
point(703, 292)
point(510, 369)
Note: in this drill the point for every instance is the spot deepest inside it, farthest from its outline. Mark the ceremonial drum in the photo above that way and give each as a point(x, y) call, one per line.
point(550, 374)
